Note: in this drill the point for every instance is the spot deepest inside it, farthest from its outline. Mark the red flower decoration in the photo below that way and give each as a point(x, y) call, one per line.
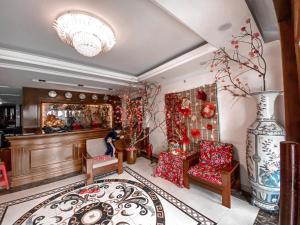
point(251, 54)
point(185, 107)
point(256, 35)
point(243, 28)
point(209, 127)
point(195, 133)
point(208, 110)
point(201, 95)
point(186, 140)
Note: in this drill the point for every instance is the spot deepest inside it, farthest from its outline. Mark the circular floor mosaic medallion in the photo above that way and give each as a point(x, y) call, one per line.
point(108, 202)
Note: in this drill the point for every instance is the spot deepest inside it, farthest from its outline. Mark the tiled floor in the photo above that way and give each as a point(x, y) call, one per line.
point(207, 203)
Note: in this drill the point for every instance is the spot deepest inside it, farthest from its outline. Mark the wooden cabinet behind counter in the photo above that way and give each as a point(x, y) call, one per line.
point(44, 156)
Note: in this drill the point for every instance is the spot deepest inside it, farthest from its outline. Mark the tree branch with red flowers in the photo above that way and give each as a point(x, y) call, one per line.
point(141, 109)
point(224, 62)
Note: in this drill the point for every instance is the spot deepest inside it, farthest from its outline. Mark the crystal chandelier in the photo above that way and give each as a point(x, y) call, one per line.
point(86, 33)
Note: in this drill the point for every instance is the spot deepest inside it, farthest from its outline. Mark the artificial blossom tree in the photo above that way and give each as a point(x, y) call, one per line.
point(231, 65)
point(141, 114)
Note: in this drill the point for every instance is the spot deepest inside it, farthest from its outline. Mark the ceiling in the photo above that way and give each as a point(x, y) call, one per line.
point(144, 32)
point(155, 38)
point(264, 13)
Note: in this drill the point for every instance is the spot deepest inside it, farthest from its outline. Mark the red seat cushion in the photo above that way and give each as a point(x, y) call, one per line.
point(206, 172)
point(216, 154)
point(101, 158)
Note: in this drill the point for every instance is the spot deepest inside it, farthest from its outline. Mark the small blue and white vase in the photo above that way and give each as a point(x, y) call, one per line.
point(263, 153)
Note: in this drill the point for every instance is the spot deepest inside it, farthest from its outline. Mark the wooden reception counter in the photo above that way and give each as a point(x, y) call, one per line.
point(41, 156)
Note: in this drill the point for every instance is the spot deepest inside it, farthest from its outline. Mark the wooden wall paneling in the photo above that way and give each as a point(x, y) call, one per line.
point(289, 189)
point(296, 19)
point(290, 80)
point(287, 12)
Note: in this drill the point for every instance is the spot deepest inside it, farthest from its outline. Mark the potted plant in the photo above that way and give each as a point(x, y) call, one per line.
point(131, 154)
point(231, 67)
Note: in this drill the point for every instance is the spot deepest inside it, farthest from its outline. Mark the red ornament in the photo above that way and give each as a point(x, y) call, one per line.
point(185, 107)
point(195, 133)
point(201, 95)
point(208, 110)
point(209, 127)
point(185, 139)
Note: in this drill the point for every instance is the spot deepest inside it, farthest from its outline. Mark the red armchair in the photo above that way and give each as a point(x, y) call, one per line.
point(213, 168)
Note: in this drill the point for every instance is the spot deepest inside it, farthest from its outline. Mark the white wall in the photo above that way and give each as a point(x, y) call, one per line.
point(235, 113)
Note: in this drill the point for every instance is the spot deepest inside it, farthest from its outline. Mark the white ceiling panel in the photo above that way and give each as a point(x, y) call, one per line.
point(146, 35)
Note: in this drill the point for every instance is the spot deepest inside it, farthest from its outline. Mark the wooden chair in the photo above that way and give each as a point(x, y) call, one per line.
point(4, 179)
point(215, 175)
point(96, 163)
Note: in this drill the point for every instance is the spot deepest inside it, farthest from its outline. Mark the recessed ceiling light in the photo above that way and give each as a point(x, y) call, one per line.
point(70, 84)
point(224, 26)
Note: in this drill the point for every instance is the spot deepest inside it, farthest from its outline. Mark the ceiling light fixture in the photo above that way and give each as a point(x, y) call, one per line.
point(70, 84)
point(86, 33)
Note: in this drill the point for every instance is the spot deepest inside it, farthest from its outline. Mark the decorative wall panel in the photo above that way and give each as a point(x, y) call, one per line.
point(191, 116)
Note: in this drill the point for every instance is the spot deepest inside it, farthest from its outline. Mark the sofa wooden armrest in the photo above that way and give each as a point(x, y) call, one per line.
point(230, 170)
point(188, 163)
point(92, 167)
point(230, 178)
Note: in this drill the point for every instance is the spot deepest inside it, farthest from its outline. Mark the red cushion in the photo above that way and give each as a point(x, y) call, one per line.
point(216, 153)
point(206, 172)
point(101, 158)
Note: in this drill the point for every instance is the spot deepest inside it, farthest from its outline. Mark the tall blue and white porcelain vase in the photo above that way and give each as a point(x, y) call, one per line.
point(263, 151)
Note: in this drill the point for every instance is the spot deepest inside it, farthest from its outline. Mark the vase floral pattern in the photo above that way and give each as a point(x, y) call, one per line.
point(263, 148)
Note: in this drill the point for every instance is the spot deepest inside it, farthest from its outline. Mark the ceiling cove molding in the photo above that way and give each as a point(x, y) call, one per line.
point(37, 60)
point(61, 73)
point(196, 53)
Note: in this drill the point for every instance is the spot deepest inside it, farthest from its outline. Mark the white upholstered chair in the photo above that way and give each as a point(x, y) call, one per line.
point(95, 162)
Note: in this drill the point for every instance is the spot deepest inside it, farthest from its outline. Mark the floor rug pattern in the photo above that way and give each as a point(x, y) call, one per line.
point(108, 201)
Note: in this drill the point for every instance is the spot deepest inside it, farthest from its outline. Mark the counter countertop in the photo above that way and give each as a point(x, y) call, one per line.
point(41, 134)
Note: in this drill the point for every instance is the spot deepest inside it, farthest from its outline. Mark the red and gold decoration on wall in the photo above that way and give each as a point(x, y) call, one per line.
point(201, 95)
point(192, 115)
point(185, 107)
point(208, 110)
